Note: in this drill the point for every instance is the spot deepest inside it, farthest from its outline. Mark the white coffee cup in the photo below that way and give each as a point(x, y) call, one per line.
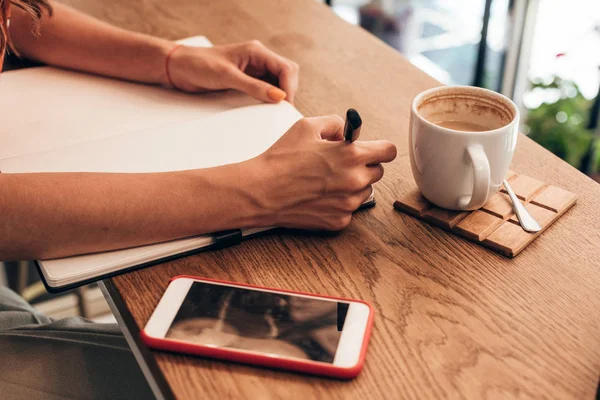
point(460, 165)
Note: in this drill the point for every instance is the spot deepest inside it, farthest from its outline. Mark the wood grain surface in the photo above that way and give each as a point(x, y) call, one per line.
point(454, 320)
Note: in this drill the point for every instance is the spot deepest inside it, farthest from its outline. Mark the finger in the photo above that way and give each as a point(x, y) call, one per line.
point(288, 81)
point(329, 127)
point(349, 202)
point(377, 151)
point(364, 195)
point(256, 88)
point(362, 179)
point(287, 72)
point(375, 173)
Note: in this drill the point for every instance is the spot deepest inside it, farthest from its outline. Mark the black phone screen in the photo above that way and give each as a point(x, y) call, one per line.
point(271, 323)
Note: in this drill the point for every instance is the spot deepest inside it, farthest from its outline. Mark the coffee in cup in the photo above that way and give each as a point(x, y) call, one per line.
point(461, 144)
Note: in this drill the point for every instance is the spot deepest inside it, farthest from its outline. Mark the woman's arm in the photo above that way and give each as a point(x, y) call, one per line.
point(310, 178)
point(60, 214)
point(74, 40)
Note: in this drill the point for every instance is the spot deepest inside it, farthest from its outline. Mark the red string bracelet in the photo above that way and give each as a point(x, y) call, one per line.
point(173, 50)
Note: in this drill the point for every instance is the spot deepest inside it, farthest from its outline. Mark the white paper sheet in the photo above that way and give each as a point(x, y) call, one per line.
point(65, 121)
point(51, 108)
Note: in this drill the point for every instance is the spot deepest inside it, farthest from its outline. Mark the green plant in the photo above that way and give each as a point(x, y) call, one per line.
point(561, 126)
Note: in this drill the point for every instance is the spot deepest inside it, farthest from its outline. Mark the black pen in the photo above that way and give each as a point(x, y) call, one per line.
point(352, 125)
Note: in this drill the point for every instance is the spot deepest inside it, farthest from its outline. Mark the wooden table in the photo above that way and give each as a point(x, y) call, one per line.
point(453, 319)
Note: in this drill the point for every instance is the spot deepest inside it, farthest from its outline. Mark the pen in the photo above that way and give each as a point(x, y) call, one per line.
point(352, 125)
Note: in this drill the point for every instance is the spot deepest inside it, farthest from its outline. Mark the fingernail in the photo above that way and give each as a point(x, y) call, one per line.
point(276, 94)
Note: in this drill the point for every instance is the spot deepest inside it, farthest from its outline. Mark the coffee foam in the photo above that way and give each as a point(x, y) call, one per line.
point(468, 104)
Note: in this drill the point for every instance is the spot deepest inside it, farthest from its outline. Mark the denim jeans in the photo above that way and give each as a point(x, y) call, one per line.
point(42, 358)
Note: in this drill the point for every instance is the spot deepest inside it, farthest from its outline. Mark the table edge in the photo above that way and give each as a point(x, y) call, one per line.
point(144, 357)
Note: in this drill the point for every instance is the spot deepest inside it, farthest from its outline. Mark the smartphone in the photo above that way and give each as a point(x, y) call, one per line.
point(274, 328)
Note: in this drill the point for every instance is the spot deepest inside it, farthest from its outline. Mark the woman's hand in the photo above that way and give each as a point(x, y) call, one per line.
point(243, 66)
point(311, 178)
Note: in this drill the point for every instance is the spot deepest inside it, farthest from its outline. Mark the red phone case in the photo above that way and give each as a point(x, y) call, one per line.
point(309, 367)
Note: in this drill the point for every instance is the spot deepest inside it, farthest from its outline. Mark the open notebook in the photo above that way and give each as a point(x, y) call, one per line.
point(71, 122)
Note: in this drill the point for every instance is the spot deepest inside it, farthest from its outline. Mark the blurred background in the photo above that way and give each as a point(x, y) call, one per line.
point(543, 54)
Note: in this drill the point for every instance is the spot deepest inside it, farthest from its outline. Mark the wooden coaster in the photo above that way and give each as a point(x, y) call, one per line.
point(494, 225)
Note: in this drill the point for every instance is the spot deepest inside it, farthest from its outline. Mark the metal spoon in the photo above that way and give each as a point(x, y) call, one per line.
point(528, 223)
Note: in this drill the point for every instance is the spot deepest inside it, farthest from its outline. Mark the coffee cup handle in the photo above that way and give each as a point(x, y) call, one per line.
point(481, 179)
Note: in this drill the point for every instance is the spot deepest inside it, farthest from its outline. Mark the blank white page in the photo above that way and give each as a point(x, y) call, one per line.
point(223, 138)
point(52, 108)
point(231, 136)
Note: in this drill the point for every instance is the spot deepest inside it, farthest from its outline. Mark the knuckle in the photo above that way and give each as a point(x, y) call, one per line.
point(339, 120)
point(355, 152)
point(356, 202)
point(254, 44)
point(340, 222)
point(334, 120)
point(348, 204)
point(287, 68)
point(305, 123)
point(355, 183)
point(380, 172)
